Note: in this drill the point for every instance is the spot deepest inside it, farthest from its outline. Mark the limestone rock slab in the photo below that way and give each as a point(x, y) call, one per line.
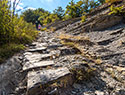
point(36, 57)
point(42, 77)
point(37, 49)
point(29, 66)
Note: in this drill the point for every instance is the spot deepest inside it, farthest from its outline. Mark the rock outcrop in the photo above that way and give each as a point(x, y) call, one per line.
point(89, 59)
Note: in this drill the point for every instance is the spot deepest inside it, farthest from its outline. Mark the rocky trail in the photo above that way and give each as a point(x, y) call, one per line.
point(46, 67)
point(82, 63)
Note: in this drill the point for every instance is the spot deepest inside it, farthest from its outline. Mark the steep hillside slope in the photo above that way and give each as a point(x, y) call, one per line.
point(77, 59)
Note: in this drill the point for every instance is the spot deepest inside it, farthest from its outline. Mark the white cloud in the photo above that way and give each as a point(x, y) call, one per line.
point(21, 4)
point(43, 1)
point(19, 7)
point(31, 8)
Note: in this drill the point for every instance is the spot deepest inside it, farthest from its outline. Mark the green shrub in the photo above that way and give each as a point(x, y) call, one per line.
point(24, 32)
point(14, 31)
point(81, 74)
point(83, 18)
point(44, 29)
point(8, 50)
point(6, 25)
point(14, 28)
point(112, 1)
point(116, 10)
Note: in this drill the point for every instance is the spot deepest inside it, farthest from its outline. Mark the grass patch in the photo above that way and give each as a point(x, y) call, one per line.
point(81, 73)
point(44, 29)
point(51, 29)
point(75, 41)
point(9, 50)
point(66, 37)
point(84, 70)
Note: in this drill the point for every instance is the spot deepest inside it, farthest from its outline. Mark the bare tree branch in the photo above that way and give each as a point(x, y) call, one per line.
point(17, 3)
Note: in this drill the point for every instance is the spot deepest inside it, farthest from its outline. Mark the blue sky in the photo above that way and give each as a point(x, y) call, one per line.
point(49, 5)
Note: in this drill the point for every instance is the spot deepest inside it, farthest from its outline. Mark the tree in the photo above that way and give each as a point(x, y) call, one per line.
point(50, 18)
point(79, 8)
point(71, 10)
point(35, 15)
point(101, 1)
point(88, 5)
point(60, 12)
point(29, 16)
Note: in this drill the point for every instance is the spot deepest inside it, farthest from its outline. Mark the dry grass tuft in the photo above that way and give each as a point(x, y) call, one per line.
point(65, 36)
point(44, 29)
point(75, 42)
point(51, 29)
point(81, 74)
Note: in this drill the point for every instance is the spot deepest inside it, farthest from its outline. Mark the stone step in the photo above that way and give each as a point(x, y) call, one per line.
point(36, 57)
point(41, 64)
point(34, 44)
point(38, 79)
point(37, 44)
point(55, 46)
point(68, 51)
point(37, 49)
